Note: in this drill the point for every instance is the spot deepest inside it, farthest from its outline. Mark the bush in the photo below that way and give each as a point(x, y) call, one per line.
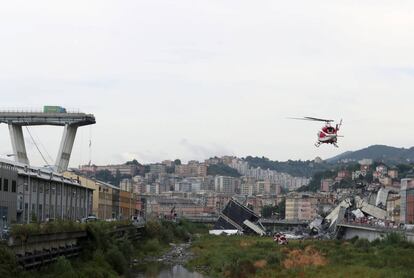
point(126, 247)
point(394, 239)
point(153, 229)
point(63, 268)
point(363, 244)
point(117, 260)
point(151, 246)
point(8, 264)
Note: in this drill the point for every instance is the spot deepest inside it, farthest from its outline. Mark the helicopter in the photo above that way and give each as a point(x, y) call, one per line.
point(328, 134)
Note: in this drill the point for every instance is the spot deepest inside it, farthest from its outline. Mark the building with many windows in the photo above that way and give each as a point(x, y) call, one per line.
point(110, 201)
point(224, 184)
point(301, 207)
point(35, 194)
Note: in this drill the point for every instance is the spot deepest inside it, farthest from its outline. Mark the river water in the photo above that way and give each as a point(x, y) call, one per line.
point(156, 270)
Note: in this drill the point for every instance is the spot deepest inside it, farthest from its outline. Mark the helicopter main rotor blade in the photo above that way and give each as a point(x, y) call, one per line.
point(301, 119)
point(318, 120)
point(310, 119)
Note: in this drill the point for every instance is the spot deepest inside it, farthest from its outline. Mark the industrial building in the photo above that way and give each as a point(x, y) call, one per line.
point(29, 193)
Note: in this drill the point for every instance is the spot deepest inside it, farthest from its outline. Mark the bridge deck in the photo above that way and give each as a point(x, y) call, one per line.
point(40, 118)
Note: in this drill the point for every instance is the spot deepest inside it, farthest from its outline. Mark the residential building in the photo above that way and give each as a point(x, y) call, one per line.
point(192, 169)
point(152, 188)
point(109, 201)
point(224, 184)
point(326, 185)
point(172, 206)
point(301, 208)
point(123, 169)
point(157, 168)
point(343, 174)
point(192, 184)
point(407, 201)
point(126, 185)
point(393, 173)
point(394, 208)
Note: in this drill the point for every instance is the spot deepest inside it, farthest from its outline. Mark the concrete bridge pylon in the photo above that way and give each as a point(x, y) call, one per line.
point(70, 120)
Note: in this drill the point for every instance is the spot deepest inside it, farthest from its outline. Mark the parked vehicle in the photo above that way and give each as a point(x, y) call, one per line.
point(5, 232)
point(90, 218)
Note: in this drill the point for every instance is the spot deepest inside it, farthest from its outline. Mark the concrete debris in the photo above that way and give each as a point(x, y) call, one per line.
point(382, 197)
point(316, 225)
point(254, 227)
point(333, 216)
point(370, 209)
point(358, 213)
point(224, 232)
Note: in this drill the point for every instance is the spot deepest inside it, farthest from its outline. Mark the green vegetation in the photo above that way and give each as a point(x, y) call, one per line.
point(241, 256)
point(23, 231)
point(222, 170)
point(106, 176)
point(104, 254)
point(268, 211)
point(404, 170)
point(297, 168)
point(386, 154)
point(133, 162)
point(8, 264)
point(279, 210)
point(315, 183)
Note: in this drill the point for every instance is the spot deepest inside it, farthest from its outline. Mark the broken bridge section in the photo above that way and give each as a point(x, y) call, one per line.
point(71, 121)
point(236, 216)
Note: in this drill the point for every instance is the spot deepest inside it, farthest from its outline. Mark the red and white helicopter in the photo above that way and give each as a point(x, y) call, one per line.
point(328, 134)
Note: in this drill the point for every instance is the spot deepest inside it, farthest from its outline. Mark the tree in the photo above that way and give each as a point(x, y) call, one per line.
point(177, 162)
point(132, 162)
point(268, 210)
point(281, 209)
point(104, 175)
point(222, 170)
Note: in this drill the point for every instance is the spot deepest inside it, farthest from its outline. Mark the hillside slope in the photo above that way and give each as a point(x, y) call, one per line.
point(383, 153)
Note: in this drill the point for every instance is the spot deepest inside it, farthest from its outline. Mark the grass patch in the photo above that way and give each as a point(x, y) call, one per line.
point(244, 256)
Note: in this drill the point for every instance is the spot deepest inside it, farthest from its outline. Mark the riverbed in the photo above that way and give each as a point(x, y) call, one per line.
point(157, 270)
point(169, 265)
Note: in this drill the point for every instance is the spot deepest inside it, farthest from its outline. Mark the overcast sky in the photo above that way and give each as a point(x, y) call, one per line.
point(193, 79)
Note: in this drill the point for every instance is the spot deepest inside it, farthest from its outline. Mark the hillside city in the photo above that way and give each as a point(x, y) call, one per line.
point(206, 139)
point(202, 189)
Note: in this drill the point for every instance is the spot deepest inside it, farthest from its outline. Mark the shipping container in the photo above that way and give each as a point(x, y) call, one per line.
point(53, 109)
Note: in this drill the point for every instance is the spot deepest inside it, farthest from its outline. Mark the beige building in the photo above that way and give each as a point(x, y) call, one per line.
point(302, 208)
point(105, 200)
point(393, 173)
point(110, 201)
point(192, 169)
point(169, 207)
point(393, 208)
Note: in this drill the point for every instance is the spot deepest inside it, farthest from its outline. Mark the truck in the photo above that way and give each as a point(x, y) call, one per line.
point(53, 109)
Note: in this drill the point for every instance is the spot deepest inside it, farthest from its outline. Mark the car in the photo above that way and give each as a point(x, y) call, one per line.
point(90, 218)
point(5, 232)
